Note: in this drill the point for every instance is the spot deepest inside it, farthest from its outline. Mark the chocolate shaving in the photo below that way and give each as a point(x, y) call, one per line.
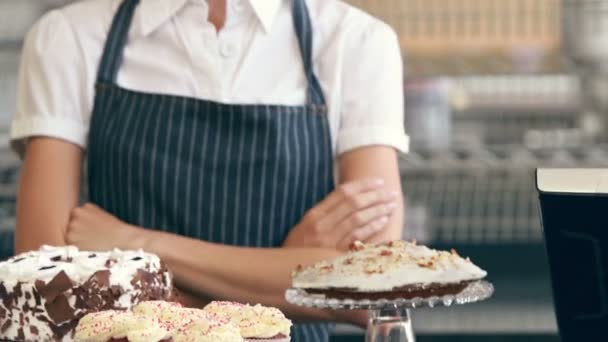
point(59, 284)
point(37, 298)
point(143, 277)
point(17, 260)
point(56, 258)
point(43, 268)
point(7, 299)
point(20, 334)
point(59, 310)
point(17, 291)
point(33, 330)
point(5, 326)
point(137, 258)
point(92, 255)
point(2, 313)
point(100, 279)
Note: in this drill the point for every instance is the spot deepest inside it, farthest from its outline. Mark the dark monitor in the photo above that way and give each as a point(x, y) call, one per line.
point(574, 208)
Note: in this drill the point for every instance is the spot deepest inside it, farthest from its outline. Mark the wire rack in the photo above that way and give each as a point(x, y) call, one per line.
point(483, 196)
point(481, 110)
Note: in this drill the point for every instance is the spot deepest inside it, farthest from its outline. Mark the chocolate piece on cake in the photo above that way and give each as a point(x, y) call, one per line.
point(256, 323)
point(398, 269)
point(44, 293)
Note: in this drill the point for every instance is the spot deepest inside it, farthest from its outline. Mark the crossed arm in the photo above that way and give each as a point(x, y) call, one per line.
point(48, 212)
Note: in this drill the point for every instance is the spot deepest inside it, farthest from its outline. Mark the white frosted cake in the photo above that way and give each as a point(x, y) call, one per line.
point(398, 269)
point(257, 323)
point(44, 293)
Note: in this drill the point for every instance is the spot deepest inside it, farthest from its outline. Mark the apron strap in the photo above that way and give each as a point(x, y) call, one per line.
point(116, 42)
point(119, 32)
point(303, 26)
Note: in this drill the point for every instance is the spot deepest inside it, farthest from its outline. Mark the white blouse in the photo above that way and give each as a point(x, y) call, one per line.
point(255, 58)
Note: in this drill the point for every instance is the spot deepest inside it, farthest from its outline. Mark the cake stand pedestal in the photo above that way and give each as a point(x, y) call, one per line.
point(390, 320)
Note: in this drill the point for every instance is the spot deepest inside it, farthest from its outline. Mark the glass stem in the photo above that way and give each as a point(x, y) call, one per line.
point(390, 324)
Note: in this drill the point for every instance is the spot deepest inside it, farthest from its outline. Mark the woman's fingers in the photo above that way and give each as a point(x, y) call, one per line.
point(353, 210)
point(363, 219)
point(363, 233)
point(348, 191)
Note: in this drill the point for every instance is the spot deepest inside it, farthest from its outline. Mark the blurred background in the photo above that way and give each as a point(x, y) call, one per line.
point(494, 89)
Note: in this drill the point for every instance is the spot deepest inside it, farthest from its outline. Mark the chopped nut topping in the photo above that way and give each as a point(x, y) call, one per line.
point(356, 246)
point(327, 268)
point(426, 264)
point(371, 269)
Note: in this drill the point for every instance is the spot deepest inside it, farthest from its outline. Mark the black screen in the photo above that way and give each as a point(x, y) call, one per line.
point(576, 235)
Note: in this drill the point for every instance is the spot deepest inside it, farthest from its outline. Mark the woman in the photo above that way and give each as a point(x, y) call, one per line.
point(213, 132)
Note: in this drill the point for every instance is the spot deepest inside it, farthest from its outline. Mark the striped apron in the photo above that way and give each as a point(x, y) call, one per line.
point(240, 175)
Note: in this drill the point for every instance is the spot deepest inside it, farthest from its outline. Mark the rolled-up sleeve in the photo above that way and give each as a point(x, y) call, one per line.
point(51, 94)
point(372, 111)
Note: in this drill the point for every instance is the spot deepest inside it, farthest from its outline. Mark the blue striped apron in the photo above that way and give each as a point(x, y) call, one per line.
point(226, 173)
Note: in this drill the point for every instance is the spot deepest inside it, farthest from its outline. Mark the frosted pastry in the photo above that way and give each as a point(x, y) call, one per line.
point(156, 321)
point(256, 323)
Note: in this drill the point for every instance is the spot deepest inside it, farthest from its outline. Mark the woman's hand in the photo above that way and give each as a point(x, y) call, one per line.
point(92, 228)
point(354, 211)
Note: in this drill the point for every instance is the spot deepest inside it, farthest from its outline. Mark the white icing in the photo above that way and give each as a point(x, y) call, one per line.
point(79, 269)
point(379, 268)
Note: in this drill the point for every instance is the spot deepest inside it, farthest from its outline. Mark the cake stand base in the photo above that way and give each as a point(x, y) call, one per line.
point(390, 324)
point(389, 319)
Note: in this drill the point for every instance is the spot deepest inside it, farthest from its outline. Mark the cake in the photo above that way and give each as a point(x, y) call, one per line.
point(156, 321)
point(393, 270)
point(44, 293)
point(256, 323)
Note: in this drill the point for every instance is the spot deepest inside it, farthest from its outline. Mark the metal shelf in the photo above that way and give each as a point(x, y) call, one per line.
point(483, 196)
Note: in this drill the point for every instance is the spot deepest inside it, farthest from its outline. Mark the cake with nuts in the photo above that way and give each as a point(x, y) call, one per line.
point(156, 321)
point(257, 323)
point(393, 270)
point(44, 293)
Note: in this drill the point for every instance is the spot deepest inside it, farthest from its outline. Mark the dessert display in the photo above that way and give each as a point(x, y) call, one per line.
point(256, 323)
point(156, 321)
point(393, 270)
point(43, 294)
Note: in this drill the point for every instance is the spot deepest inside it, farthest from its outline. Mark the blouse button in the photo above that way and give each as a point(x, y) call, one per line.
point(227, 50)
point(238, 5)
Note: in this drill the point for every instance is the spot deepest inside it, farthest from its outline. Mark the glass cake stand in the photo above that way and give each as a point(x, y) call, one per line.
point(389, 320)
